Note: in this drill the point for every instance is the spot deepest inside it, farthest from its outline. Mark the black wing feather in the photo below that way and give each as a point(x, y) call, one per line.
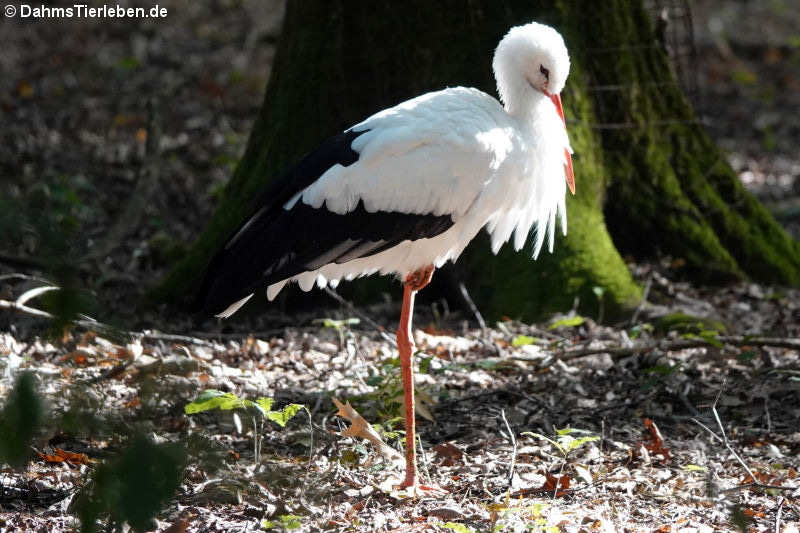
point(275, 243)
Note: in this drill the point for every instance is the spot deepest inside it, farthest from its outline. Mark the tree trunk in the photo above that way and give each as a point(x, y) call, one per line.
point(645, 170)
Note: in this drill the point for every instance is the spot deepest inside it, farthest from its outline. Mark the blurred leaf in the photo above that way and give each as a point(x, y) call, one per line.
point(548, 439)
point(128, 63)
point(571, 321)
point(769, 140)
point(710, 336)
point(638, 329)
point(338, 324)
point(425, 365)
point(284, 415)
point(662, 370)
point(573, 443)
point(569, 431)
point(265, 404)
point(134, 486)
point(20, 421)
point(564, 441)
point(683, 323)
point(487, 364)
point(458, 528)
point(743, 77)
point(746, 356)
point(214, 399)
point(740, 520)
point(523, 340)
point(286, 522)
point(374, 381)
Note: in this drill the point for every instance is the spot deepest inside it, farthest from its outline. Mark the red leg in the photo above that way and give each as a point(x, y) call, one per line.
point(405, 347)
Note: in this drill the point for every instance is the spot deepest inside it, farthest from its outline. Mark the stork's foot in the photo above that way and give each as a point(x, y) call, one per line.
point(417, 280)
point(417, 490)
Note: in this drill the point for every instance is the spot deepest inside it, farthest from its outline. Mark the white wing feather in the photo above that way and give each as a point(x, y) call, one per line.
point(432, 154)
point(454, 152)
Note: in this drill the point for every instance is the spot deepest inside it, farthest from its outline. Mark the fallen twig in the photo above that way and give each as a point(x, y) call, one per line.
point(90, 323)
point(150, 334)
point(513, 448)
point(27, 277)
point(5, 304)
point(472, 307)
point(619, 352)
point(353, 309)
point(778, 516)
point(726, 442)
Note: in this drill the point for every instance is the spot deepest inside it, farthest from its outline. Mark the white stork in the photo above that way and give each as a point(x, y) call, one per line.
point(405, 190)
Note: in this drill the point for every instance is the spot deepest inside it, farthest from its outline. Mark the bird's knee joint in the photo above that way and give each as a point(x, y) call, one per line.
point(417, 280)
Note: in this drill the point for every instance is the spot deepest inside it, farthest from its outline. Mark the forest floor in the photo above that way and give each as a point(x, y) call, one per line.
point(696, 419)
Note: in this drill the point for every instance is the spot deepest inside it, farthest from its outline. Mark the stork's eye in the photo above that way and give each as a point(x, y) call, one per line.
point(545, 72)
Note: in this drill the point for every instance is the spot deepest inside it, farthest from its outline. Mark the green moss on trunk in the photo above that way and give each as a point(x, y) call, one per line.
point(671, 190)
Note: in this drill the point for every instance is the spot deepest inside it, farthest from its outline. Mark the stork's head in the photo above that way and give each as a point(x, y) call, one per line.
point(532, 56)
point(529, 62)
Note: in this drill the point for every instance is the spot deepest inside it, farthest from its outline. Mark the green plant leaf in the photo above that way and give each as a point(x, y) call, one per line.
point(214, 399)
point(374, 381)
point(572, 444)
point(710, 336)
point(548, 439)
point(338, 324)
point(265, 404)
point(569, 431)
point(455, 526)
point(523, 340)
point(425, 365)
point(570, 321)
point(284, 415)
point(286, 522)
point(487, 364)
point(743, 77)
point(291, 521)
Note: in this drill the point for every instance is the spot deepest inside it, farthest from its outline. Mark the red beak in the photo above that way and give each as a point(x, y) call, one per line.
point(556, 98)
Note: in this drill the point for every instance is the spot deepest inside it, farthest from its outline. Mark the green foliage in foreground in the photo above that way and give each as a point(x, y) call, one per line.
point(133, 486)
point(20, 420)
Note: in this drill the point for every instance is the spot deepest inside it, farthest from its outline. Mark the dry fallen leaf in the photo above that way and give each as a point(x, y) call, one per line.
point(178, 527)
point(653, 441)
point(63, 456)
point(421, 402)
point(552, 484)
point(450, 453)
point(361, 428)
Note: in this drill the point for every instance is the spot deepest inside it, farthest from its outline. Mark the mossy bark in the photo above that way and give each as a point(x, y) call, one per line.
point(671, 190)
point(657, 181)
